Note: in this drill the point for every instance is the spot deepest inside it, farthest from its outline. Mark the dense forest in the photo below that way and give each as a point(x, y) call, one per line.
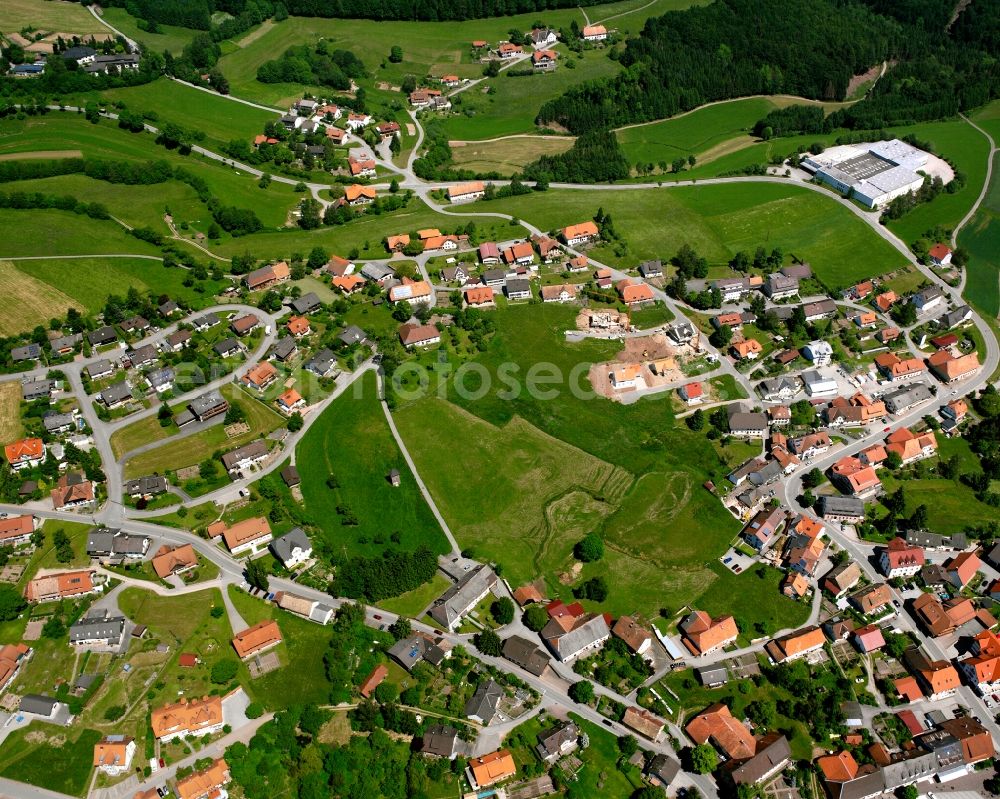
point(322, 65)
point(810, 48)
point(687, 58)
point(595, 157)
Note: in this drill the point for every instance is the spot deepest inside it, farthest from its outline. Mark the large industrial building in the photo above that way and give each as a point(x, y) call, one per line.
point(875, 173)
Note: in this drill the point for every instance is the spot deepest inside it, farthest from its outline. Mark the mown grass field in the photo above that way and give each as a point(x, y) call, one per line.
point(352, 441)
point(215, 116)
point(40, 290)
point(170, 37)
point(10, 404)
point(50, 757)
point(513, 103)
point(68, 131)
point(522, 477)
point(718, 220)
point(412, 603)
point(508, 155)
point(53, 16)
point(77, 235)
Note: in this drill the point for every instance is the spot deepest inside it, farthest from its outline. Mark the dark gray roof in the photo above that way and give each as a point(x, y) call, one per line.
point(517, 285)
point(485, 701)
point(29, 352)
point(168, 307)
point(663, 768)
point(36, 389)
point(376, 271)
point(160, 377)
point(226, 346)
point(306, 303)
point(800, 271)
point(847, 506)
point(101, 367)
point(102, 541)
point(205, 403)
point(459, 598)
point(150, 484)
point(65, 342)
point(208, 320)
point(103, 335)
point(253, 450)
point(906, 397)
point(284, 347)
point(551, 741)
point(290, 475)
point(772, 751)
point(494, 276)
point(525, 654)
point(109, 630)
point(352, 335)
point(294, 538)
point(408, 652)
point(711, 675)
point(742, 420)
point(322, 362)
point(36, 703)
point(119, 392)
point(55, 421)
point(143, 355)
point(78, 52)
point(568, 644)
point(439, 740)
point(651, 268)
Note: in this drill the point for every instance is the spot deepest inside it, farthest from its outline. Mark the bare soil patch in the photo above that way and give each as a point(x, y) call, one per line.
point(47, 154)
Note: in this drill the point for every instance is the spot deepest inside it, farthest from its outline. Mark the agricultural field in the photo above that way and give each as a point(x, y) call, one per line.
point(170, 37)
point(70, 134)
point(330, 448)
point(78, 235)
point(215, 116)
point(428, 47)
point(60, 16)
point(513, 102)
point(42, 289)
point(981, 236)
point(507, 155)
point(575, 465)
point(50, 758)
point(717, 221)
point(10, 409)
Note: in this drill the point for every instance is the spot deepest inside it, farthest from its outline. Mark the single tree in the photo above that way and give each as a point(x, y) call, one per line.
point(704, 759)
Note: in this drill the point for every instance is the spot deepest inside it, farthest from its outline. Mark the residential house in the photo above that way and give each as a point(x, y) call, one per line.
point(466, 192)
point(895, 369)
point(938, 678)
point(260, 376)
point(247, 535)
point(489, 253)
point(173, 560)
point(643, 722)
point(928, 299)
point(310, 609)
point(626, 376)
point(142, 357)
point(526, 655)
point(244, 458)
point(357, 194)
point(519, 254)
point(102, 336)
point(542, 37)
point(703, 635)
point(819, 352)
point(292, 548)
point(267, 276)
point(179, 339)
point(716, 725)
point(557, 741)
point(98, 631)
point(841, 579)
point(113, 754)
point(961, 314)
point(62, 585)
point(638, 639)
point(900, 559)
point(322, 363)
point(64, 345)
point(411, 291)
point(886, 300)
point(290, 401)
point(848, 510)
point(105, 543)
point(116, 395)
point(866, 319)
point(518, 289)
point(482, 772)
point(962, 568)
point(910, 446)
point(887, 335)
point(811, 445)
point(256, 639)
point(284, 349)
point(748, 349)
point(778, 389)
point(822, 309)
point(33, 390)
point(947, 368)
point(414, 335)
point(872, 599)
point(566, 292)
point(479, 297)
point(772, 756)
point(29, 352)
point(206, 322)
point(780, 287)
point(16, 530)
point(440, 741)
point(161, 380)
point(484, 704)
point(692, 393)
point(26, 453)
point(548, 248)
point(981, 669)
point(206, 784)
point(71, 492)
point(594, 33)
point(582, 233)
point(747, 424)
point(361, 167)
point(854, 478)
point(571, 636)
point(940, 254)
point(462, 597)
point(244, 325)
point(795, 645)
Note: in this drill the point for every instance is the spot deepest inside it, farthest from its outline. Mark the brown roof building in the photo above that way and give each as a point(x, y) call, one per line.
point(643, 722)
point(796, 645)
point(256, 639)
point(172, 560)
point(716, 725)
point(703, 634)
point(635, 636)
point(194, 717)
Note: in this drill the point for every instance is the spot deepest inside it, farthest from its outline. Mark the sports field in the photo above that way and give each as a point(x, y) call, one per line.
point(331, 447)
point(718, 220)
point(521, 479)
point(507, 155)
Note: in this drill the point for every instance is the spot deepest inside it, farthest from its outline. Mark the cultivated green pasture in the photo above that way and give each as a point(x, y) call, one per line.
point(352, 442)
point(717, 220)
point(533, 474)
point(65, 233)
point(48, 15)
point(981, 236)
point(215, 116)
point(58, 131)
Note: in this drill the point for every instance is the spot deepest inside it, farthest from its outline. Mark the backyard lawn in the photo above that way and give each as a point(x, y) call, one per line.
point(50, 758)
